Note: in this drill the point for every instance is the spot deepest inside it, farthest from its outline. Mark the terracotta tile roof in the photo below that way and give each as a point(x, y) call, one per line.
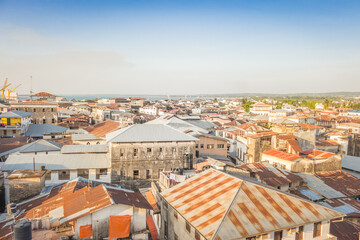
point(282, 155)
point(101, 129)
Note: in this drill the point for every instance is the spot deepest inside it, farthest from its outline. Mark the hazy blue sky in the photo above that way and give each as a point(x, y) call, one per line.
point(181, 47)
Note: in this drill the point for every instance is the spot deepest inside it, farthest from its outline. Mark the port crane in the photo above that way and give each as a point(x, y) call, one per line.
point(4, 88)
point(11, 90)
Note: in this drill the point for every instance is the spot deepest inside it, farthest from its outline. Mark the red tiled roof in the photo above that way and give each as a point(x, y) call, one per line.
point(43, 94)
point(282, 155)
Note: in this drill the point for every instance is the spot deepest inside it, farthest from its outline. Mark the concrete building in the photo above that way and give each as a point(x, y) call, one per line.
point(14, 123)
point(215, 205)
point(140, 152)
point(261, 108)
point(24, 184)
point(311, 161)
point(43, 112)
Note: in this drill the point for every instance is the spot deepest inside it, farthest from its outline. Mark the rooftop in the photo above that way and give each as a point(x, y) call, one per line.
point(282, 155)
point(149, 133)
point(221, 206)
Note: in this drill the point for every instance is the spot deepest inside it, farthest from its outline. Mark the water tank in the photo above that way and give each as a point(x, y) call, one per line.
point(22, 230)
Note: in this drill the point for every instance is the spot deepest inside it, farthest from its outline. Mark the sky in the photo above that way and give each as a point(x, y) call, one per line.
point(180, 47)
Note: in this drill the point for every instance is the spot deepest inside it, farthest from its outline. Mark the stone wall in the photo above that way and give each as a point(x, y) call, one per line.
point(25, 188)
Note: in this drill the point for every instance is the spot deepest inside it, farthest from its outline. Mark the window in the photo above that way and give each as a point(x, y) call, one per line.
point(52, 110)
point(175, 214)
point(136, 174)
point(197, 146)
point(135, 152)
point(34, 109)
point(53, 120)
point(201, 145)
point(88, 143)
point(148, 150)
point(197, 235)
point(44, 121)
point(221, 146)
point(43, 109)
point(160, 149)
point(278, 235)
point(300, 233)
point(14, 131)
point(317, 229)
point(188, 228)
point(148, 175)
point(174, 149)
point(121, 152)
point(210, 146)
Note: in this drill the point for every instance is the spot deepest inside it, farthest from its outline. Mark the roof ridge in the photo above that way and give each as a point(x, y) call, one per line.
point(228, 210)
point(124, 130)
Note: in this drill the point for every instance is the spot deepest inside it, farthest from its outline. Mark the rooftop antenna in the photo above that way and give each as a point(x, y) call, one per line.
point(31, 89)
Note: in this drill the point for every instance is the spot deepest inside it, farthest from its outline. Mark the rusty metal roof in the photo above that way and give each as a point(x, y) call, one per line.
point(221, 206)
point(271, 175)
point(282, 155)
point(341, 181)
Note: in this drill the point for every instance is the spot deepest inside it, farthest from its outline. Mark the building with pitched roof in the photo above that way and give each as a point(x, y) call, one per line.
point(14, 123)
point(214, 205)
point(141, 151)
point(83, 209)
point(43, 112)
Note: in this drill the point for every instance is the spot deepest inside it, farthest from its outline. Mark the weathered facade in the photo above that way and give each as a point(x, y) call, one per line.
point(43, 113)
point(139, 163)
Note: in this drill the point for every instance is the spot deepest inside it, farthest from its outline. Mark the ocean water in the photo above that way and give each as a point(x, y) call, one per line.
point(107, 96)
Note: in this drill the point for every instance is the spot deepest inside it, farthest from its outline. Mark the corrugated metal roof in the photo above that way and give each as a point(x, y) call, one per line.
point(351, 163)
point(271, 175)
point(84, 137)
point(220, 206)
point(148, 133)
point(16, 114)
point(97, 148)
point(282, 155)
point(38, 130)
point(57, 161)
point(37, 146)
point(320, 187)
point(101, 129)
